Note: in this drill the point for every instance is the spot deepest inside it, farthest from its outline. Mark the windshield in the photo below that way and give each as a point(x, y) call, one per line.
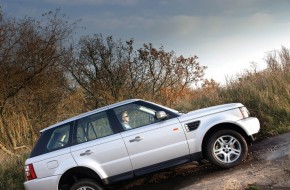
point(167, 108)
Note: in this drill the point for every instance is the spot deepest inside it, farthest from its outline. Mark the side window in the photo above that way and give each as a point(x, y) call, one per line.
point(134, 116)
point(59, 137)
point(93, 127)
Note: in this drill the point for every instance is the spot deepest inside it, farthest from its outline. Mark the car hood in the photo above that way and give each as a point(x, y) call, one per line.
point(210, 110)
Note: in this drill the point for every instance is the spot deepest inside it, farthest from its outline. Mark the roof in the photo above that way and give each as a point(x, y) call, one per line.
point(91, 112)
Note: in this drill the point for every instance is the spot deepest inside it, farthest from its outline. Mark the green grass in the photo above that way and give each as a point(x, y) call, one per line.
point(252, 187)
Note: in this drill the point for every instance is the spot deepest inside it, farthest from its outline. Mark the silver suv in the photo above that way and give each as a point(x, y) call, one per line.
point(133, 138)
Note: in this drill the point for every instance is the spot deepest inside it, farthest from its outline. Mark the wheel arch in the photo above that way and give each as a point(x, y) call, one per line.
point(221, 126)
point(77, 173)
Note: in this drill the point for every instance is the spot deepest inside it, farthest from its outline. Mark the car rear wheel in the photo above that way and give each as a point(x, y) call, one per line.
point(226, 148)
point(86, 184)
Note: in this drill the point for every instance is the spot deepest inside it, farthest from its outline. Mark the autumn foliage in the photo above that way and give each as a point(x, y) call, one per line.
point(46, 77)
point(110, 70)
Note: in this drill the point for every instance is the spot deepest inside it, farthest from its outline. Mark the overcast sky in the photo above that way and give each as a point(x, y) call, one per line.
point(226, 35)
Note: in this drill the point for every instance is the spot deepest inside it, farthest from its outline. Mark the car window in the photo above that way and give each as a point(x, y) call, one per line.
point(59, 137)
point(93, 127)
point(135, 115)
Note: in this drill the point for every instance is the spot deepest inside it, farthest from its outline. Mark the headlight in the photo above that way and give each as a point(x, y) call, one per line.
point(245, 112)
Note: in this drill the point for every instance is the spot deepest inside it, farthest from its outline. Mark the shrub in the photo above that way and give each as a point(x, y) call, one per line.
point(12, 173)
point(266, 94)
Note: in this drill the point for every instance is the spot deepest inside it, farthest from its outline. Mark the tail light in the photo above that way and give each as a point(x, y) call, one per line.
point(29, 172)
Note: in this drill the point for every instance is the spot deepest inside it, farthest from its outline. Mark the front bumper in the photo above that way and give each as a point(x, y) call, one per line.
point(251, 125)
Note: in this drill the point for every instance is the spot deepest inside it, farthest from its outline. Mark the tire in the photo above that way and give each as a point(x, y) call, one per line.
point(86, 184)
point(226, 148)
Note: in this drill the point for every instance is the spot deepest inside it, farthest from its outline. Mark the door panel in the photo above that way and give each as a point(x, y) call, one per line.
point(107, 156)
point(156, 143)
point(98, 148)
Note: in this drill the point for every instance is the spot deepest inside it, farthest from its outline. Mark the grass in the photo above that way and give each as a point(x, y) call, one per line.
point(252, 187)
point(266, 94)
point(12, 173)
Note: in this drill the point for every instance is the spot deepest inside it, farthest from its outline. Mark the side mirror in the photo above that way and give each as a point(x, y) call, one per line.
point(161, 115)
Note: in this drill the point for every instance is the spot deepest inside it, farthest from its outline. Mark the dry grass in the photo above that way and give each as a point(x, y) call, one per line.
point(12, 173)
point(266, 94)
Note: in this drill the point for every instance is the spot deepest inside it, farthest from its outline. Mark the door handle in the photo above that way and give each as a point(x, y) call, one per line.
point(87, 152)
point(136, 139)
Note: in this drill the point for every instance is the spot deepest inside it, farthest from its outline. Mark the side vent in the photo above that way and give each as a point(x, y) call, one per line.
point(192, 126)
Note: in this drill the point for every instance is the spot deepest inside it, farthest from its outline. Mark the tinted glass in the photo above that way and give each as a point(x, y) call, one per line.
point(135, 115)
point(59, 137)
point(93, 127)
point(52, 139)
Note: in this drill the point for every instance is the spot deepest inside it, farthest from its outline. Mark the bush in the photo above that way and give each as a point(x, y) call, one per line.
point(12, 173)
point(266, 94)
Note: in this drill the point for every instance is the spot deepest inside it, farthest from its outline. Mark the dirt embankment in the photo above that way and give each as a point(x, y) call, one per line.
point(267, 167)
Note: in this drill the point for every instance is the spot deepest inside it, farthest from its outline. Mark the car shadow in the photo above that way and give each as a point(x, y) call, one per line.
point(175, 178)
point(185, 175)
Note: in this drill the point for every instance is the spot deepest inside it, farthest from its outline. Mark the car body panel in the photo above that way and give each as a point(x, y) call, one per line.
point(49, 167)
point(48, 183)
point(107, 156)
point(159, 142)
point(214, 109)
point(251, 125)
point(206, 123)
point(53, 163)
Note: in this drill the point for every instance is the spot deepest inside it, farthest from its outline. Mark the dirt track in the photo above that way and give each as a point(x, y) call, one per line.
point(267, 167)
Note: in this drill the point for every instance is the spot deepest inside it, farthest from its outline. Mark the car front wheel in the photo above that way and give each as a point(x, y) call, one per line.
point(86, 184)
point(226, 148)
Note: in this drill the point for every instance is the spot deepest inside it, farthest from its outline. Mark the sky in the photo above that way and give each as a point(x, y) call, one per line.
point(226, 35)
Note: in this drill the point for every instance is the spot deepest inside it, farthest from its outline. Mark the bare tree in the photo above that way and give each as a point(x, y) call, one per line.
point(31, 53)
point(100, 67)
point(110, 71)
point(166, 75)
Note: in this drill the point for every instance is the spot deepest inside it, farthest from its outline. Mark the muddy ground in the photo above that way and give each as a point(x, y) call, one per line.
point(267, 167)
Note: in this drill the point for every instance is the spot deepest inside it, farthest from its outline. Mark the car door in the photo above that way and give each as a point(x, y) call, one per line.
point(152, 144)
point(98, 147)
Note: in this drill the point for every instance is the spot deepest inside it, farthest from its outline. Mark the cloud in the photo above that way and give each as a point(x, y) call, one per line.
point(259, 19)
point(94, 2)
point(182, 28)
point(179, 26)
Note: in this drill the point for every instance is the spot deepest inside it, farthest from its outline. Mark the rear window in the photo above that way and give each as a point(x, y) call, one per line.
point(52, 139)
point(59, 138)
